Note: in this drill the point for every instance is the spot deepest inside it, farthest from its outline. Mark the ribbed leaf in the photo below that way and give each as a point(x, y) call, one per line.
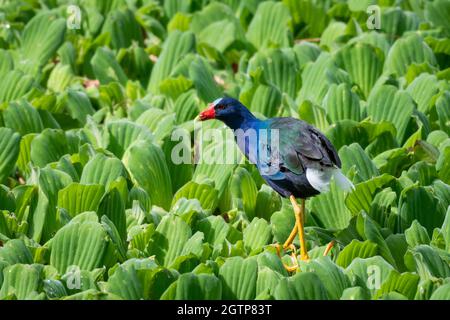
point(278, 67)
point(15, 84)
point(332, 276)
point(23, 118)
point(169, 240)
point(81, 244)
point(147, 165)
point(106, 68)
point(123, 133)
point(302, 286)
point(77, 198)
point(329, 208)
point(239, 278)
point(418, 203)
point(205, 194)
point(42, 36)
point(198, 287)
point(102, 170)
point(356, 249)
point(48, 146)
point(270, 26)
point(9, 151)
point(257, 234)
point(406, 51)
point(388, 103)
point(176, 46)
point(364, 63)
point(23, 281)
point(341, 103)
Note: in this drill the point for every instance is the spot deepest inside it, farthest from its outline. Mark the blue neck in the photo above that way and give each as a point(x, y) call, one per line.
point(244, 120)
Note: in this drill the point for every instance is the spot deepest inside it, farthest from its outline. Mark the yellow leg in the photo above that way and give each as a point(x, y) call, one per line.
point(291, 237)
point(328, 248)
point(300, 219)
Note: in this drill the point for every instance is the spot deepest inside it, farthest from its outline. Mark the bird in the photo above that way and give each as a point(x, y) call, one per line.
point(292, 156)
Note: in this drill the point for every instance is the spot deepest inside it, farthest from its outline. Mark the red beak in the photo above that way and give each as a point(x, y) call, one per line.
point(209, 113)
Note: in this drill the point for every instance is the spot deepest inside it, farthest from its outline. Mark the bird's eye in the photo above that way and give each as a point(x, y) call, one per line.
point(221, 106)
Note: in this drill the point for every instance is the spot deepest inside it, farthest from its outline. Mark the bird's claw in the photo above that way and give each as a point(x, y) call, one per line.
point(293, 256)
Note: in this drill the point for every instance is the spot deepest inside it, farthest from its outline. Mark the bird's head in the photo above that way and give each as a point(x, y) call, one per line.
point(225, 109)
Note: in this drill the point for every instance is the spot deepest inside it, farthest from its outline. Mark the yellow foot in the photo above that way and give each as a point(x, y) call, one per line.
point(329, 247)
point(304, 257)
point(293, 256)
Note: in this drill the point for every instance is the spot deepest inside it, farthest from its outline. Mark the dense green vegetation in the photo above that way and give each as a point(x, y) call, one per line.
point(93, 207)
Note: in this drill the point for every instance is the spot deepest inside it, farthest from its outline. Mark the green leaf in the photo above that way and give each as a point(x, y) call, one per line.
point(270, 26)
point(106, 68)
point(205, 194)
point(14, 252)
point(257, 234)
point(302, 286)
point(441, 293)
point(23, 118)
point(79, 105)
point(238, 277)
point(243, 190)
point(405, 284)
point(191, 286)
point(102, 170)
point(436, 11)
point(266, 100)
point(369, 230)
point(364, 63)
point(416, 235)
point(442, 108)
point(9, 151)
point(341, 103)
point(123, 133)
point(329, 208)
point(23, 281)
point(332, 276)
point(362, 198)
point(154, 177)
point(219, 164)
point(418, 203)
point(176, 46)
point(41, 38)
point(406, 51)
point(15, 85)
point(267, 202)
point(79, 243)
point(396, 106)
point(356, 249)
point(429, 264)
point(422, 89)
point(214, 228)
point(355, 293)
point(48, 146)
point(123, 28)
point(159, 123)
point(369, 273)
point(204, 82)
point(272, 64)
point(354, 155)
point(282, 222)
point(77, 198)
point(129, 280)
point(317, 78)
point(267, 282)
point(169, 240)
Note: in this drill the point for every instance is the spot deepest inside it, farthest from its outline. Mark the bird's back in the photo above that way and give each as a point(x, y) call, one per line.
point(304, 159)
